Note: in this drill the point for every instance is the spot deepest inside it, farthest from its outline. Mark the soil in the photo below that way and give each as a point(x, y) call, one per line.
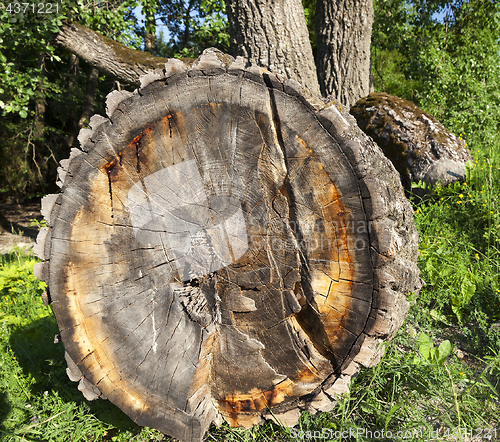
point(15, 229)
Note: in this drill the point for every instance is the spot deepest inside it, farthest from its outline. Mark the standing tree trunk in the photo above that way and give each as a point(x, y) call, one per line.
point(72, 117)
point(223, 248)
point(343, 33)
point(40, 104)
point(38, 140)
point(89, 98)
point(187, 26)
point(273, 34)
point(149, 41)
point(149, 9)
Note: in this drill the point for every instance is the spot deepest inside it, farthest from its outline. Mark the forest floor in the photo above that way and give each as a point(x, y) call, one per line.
point(16, 230)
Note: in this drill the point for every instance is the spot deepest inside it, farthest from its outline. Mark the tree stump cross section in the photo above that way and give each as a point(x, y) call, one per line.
point(203, 259)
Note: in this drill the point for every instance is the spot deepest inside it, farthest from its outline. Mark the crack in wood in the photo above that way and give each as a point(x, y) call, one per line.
point(109, 168)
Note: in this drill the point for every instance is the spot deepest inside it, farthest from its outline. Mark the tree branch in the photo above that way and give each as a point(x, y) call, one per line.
point(106, 55)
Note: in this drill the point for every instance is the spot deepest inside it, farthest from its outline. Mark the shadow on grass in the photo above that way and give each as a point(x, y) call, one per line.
point(43, 360)
point(4, 410)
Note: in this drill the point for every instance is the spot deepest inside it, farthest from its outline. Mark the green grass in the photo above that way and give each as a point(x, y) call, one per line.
point(459, 258)
point(409, 391)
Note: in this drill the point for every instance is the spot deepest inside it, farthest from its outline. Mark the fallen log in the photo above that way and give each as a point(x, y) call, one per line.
point(418, 145)
point(224, 246)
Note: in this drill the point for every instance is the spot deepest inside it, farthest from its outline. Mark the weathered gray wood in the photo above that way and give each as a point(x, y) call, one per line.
point(418, 145)
point(106, 55)
point(114, 99)
point(225, 245)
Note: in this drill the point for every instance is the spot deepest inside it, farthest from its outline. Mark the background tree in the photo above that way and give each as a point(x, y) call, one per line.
point(444, 56)
point(274, 35)
point(44, 93)
point(343, 36)
point(149, 8)
point(193, 26)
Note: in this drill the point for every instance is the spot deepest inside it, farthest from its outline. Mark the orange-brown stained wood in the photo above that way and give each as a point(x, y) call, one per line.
point(239, 408)
point(328, 253)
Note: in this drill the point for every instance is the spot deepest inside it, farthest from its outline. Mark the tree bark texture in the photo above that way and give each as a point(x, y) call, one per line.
point(106, 55)
point(149, 42)
point(72, 118)
point(343, 35)
point(274, 35)
point(224, 247)
point(40, 104)
point(418, 145)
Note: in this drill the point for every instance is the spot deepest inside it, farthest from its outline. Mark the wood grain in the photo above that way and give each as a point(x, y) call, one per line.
point(219, 249)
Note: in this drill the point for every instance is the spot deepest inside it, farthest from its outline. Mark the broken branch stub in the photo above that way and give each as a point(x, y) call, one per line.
point(224, 247)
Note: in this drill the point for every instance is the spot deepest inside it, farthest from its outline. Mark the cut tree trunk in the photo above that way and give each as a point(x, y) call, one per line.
point(418, 145)
point(224, 247)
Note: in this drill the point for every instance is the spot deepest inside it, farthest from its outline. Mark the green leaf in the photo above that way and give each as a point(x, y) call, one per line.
point(23, 113)
point(444, 350)
point(425, 346)
point(438, 316)
point(392, 411)
point(467, 289)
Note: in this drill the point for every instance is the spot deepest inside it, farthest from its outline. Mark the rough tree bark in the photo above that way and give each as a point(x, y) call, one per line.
point(106, 55)
point(40, 104)
point(224, 247)
point(418, 145)
point(72, 117)
point(149, 42)
point(274, 35)
point(343, 35)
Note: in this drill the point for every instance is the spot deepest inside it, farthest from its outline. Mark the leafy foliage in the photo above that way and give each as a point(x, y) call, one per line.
point(460, 254)
point(445, 57)
point(43, 90)
point(193, 26)
point(42, 93)
point(22, 36)
point(431, 354)
point(19, 291)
